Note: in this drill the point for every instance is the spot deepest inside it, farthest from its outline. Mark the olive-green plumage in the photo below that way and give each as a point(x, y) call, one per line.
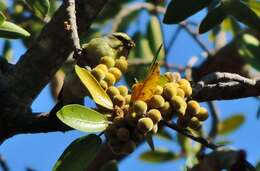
point(114, 45)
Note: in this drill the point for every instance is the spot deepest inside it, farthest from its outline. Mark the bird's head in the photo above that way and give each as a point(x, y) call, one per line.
point(122, 43)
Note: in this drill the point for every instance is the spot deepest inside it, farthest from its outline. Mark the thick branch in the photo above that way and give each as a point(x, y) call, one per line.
point(55, 44)
point(232, 86)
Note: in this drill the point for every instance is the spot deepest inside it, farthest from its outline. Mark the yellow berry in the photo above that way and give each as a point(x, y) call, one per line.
point(110, 79)
point(123, 90)
point(131, 118)
point(112, 91)
point(115, 146)
point(103, 84)
point(169, 91)
point(127, 99)
point(203, 114)
point(180, 93)
point(129, 147)
point(140, 107)
point(118, 100)
point(184, 82)
point(99, 74)
point(195, 123)
point(157, 101)
point(119, 121)
point(110, 131)
point(172, 76)
point(108, 61)
point(118, 111)
point(158, 90)
point(171, 84)
point(103, 67)
point(126, 109)
point(193, 108)
point(187, 90)
point(122, 64)
point(145, 125)
point(123, 134)
point(179, 105)
point(116, 72)
point(155, 115)
point(166, 111)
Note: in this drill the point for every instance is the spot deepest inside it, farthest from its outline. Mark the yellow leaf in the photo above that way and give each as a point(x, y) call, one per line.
point(145, 89)
point(94, 88)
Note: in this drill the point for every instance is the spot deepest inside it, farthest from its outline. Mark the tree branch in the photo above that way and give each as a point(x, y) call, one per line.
point(225, 86)
point(187, 133)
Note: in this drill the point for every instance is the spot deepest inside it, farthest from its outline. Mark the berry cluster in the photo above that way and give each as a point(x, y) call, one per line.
point(109, 71)
point(177, 94)
point(133, 120)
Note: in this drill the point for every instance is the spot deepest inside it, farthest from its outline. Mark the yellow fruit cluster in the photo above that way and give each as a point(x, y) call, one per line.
point(109, 71)
point(177, 94)
point(132, 120)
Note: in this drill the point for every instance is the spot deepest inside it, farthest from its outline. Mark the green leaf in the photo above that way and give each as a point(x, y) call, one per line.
point(255, 5)
point(2, 18)
point(79, 154)
point(158, 156)
point(213, 18)
point(110, 166)
point(149, 140)
point(82, 118)
point(242, 13)
point(179, 10)
point(39, 7)
point(94, 88)
point(231, 124)
point(249, 50)
point(12, 31)
point(7, 50)
point(155, 36)
point(3, 5)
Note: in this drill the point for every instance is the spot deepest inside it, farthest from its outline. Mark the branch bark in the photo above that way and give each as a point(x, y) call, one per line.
point(233, 86)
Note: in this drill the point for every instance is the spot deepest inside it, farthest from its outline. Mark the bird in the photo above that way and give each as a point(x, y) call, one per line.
point(114, 45)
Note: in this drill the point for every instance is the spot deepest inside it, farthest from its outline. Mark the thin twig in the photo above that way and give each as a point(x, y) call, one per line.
point(214, 124)
point(172, 41)
point(187, 133)
point(195, 37)
point(71, 10)
point(132, 8)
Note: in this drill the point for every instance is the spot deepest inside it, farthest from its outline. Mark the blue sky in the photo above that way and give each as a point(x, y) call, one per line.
point(40, 151)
